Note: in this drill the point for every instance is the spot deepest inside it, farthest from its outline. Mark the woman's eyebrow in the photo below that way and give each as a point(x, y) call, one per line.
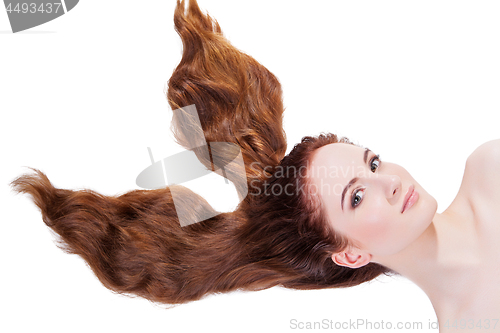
point(354, 180)
point(365, 157)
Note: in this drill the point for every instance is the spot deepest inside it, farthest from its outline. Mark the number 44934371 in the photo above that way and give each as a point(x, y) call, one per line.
point(25, 8)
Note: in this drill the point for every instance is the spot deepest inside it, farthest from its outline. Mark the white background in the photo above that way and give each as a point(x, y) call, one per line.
point(81, 98)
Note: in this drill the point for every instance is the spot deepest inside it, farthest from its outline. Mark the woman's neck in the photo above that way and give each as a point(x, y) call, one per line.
point(441, 261)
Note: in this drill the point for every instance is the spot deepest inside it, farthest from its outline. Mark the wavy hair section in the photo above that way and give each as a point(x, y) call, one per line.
point(238, 100)
point(134, 243)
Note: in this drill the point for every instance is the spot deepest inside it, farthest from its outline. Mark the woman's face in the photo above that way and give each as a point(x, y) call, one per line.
point(366, 200)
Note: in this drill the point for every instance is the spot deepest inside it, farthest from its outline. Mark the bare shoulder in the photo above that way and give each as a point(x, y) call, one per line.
point(482, 169)
point(487, 152)
point(481, 185)
point(480, 200)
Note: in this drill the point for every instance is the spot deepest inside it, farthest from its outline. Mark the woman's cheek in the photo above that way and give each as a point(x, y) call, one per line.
point(373, 231)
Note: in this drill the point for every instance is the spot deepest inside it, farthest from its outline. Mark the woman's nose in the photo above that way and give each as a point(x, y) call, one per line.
point(392, 186)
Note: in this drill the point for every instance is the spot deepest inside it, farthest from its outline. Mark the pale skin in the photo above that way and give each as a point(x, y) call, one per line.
point(453, 256)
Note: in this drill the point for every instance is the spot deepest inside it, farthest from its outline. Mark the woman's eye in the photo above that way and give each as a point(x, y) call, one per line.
point(375, 163)
point(357, 197)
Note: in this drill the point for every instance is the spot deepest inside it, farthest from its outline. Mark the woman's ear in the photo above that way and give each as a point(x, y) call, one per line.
point(351, 259)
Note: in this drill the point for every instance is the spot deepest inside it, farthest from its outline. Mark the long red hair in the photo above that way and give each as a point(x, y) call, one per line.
point(134, 242)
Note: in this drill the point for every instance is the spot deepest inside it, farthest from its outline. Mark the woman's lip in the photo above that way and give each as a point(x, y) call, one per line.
point(410, 198)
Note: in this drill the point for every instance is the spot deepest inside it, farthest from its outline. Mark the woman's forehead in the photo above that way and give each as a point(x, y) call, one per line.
point(338, 154)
